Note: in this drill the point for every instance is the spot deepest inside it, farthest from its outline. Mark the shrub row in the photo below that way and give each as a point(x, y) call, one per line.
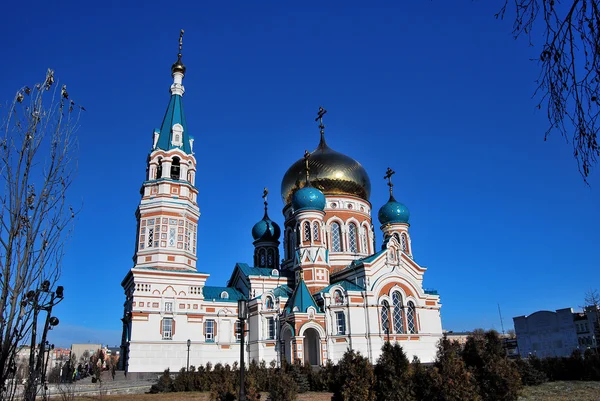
point(479, 370)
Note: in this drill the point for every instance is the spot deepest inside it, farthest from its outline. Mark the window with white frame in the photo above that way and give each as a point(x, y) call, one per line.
point(364, 240)
point(167, 329)
point(306, 231)
point(398, 322)
point(340, 322)
point(168, 306)
point(411, 318)
point(403, 243)
point(336, 237)
point(209, 331)
point(385, 316)
point(352, 240)
point(270, 328)
point(338, 298)
point(315, 231)
point(269, 303)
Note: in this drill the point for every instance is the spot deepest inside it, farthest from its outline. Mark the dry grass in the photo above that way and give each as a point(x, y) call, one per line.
point(562, 391)
point(190, 396)
point(554, 391)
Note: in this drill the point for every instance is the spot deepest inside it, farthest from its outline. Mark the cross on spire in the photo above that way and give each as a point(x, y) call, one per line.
point(388, 176)
point(264, 196)
point(319, 118)
point(306, 168)
point(180, 41)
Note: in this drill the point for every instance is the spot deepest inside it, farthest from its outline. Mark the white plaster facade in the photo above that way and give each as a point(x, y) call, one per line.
point(333, 290)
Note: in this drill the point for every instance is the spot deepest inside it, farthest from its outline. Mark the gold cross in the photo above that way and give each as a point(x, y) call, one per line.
point(306, 157)
point(180, 40)
point(388, 176)
point(319, 118)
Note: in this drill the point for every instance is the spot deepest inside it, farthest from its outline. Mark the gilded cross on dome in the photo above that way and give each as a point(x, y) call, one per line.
point(388, 176)
point(306, 157)
point(180, 40)
point(264, 196)
point(319, 118)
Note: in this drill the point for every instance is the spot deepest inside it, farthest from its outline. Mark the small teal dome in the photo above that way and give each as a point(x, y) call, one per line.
point(393, 212)
point(308, 198)
point(266, 230)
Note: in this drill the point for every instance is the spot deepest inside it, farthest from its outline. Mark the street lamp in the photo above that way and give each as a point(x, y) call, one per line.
point(242, 315)
point(44, 304)
point(189, 342)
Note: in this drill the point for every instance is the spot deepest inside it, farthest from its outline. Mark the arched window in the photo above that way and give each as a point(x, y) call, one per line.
point(269, 303)
point(352, 238)
point(306, 231)
point(398, 323)
point(270, 258)
point(397, 237)
point(175, 168)
point(411, 318)
point(365, 235)
point(338, 298)
point(159, 169)
point(261, 258)
point(404, 243)
point(315, 231)
point(336, 237)
point(385, 317)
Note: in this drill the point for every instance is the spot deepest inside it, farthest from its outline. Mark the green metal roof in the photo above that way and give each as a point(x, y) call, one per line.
point(255, 271)
point(174, 115)
point(371, 258)
point(301, 299)
point(214, 293)
point(345, 284)
point(283, 291)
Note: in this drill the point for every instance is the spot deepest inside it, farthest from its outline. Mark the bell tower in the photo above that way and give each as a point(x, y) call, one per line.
point(168, 213)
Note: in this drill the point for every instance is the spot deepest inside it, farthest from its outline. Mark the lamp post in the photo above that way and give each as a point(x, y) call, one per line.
point(40, 304)
point(242, 315)
point(189, 342)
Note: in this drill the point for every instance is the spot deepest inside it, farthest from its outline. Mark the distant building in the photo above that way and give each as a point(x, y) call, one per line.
point(82, 350)
point(559, 333)
point(459, 336)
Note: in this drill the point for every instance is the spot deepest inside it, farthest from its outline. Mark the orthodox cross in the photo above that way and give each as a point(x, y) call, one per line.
point(180, 41)
point(319, 118)
point(264, 196)
point(306, 157)
point(388, 176)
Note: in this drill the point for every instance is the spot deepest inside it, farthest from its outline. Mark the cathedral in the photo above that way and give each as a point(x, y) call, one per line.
point(331, 290)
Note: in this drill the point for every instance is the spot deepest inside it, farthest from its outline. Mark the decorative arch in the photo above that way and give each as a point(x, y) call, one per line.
point(306, 231)
point(336, 236)
point(352, 237)
point(175, 168)
point(364, 238)
point(312, 325)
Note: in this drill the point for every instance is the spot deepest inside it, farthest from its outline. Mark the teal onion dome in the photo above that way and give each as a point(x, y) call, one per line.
point(308, 198)
point(266, 230)
point(393, 212)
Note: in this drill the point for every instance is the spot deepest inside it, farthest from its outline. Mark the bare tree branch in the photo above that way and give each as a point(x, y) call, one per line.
point(37, 166)
point(569, 79)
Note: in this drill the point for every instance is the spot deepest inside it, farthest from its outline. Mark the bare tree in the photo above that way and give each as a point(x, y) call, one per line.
point(569, 79)
point(37, 166)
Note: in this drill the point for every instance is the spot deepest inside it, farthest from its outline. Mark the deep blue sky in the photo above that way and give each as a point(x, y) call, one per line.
point(437, 90)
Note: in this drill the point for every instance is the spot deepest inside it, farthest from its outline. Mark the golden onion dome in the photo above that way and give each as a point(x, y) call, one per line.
point(332, 172)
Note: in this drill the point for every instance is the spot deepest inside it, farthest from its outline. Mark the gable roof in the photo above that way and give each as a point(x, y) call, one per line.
point(214, 293)
point(283, 291)
point(301, 299)
point(255, 271)
point(345, 284)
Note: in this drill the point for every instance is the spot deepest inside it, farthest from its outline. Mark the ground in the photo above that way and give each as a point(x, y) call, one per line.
point(554, 391)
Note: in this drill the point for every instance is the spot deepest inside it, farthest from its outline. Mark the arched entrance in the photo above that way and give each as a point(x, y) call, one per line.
point(286, 337)
point(312, 347)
